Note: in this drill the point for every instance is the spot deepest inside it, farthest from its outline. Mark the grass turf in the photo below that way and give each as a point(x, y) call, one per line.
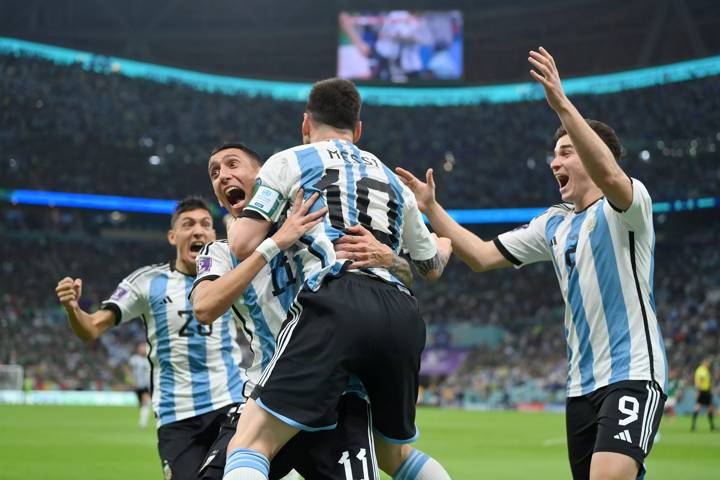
point(39, 442)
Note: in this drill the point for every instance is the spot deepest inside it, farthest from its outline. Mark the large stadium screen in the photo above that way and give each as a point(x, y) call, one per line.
point(401, 46)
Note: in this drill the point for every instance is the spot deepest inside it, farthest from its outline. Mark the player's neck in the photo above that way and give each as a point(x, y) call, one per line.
point(588, 198)
point(185, 268)
point(324, 134)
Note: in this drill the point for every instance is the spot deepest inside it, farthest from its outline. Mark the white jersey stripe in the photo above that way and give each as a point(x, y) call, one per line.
point(286, 334)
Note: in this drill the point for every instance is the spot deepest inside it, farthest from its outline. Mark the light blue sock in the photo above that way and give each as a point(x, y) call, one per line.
point(419, 466)
point(244, 464)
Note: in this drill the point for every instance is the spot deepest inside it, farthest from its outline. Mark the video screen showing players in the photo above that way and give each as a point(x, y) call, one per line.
point(401, 46)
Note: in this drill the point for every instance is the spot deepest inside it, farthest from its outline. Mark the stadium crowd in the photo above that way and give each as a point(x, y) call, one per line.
point(144, 132)
point(38, 246)
point(67, 129)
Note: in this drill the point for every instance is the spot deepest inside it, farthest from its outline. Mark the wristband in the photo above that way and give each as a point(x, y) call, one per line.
point(268, 249)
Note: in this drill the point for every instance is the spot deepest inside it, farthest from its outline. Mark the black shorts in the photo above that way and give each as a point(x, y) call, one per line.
point(140, 392)
point(322, 455)
point(704, 398)
point(184, 444)
point(353, 325)
point(622, 417)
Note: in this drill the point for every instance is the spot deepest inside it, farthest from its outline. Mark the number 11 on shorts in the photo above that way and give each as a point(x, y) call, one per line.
point(345, 462)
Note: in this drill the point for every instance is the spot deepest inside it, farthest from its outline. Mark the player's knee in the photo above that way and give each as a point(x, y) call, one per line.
point(613, 466)
point(390, 457)
point(259, 431)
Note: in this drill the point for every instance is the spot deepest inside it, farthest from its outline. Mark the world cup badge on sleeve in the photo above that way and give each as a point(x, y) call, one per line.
point(204, 265)
point(118, 294)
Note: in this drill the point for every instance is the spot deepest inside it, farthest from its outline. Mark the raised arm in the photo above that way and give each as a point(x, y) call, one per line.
point(211, 299)
point(596, 157)
point(478, 254)
point(87, 326)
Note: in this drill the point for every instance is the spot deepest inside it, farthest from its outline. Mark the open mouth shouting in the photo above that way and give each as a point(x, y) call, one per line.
point(562, 180)
point(235, 196)
point(196, 246)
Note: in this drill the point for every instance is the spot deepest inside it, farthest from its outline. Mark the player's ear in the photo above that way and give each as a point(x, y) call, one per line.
point(358, 131)
point(306, 128)
point(171, 237)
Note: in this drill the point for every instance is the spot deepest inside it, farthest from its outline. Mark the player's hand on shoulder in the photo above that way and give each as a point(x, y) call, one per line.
point(365, 251)
point(546, 74)
point(299, 220)
point(69, 291)
point(424, 191)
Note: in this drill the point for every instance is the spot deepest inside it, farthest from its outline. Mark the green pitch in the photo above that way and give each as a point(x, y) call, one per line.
point(77, 443)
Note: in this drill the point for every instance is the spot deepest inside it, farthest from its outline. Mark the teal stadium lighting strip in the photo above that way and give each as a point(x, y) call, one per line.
point(166, 207)
point(394, 96)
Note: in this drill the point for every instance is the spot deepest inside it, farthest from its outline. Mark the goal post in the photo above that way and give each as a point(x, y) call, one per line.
point(11, 377)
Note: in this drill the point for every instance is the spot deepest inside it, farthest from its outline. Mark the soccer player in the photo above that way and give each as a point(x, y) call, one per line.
point(342, 322)
point(601, 243)
point(196, 378)
point(262, 307)
point(140, 373)
point(704, 394)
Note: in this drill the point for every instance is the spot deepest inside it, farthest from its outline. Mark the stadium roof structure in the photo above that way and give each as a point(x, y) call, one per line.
point(296, 40)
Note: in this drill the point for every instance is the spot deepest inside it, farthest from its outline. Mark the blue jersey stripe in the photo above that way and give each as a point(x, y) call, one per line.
point(197, 359)
point(613, 300)
point(350, 186)
point(262, 330)
point(286, 288)
point(235, 382)
point(551, 227)
point(299, 270)
point(158, 289)
point(311, 171)
point(587, 379)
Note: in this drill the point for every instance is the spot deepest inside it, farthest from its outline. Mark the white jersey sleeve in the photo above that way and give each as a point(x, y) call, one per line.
point(416, 239)
point(526, 244)
point(213, 261)
point(129, 300)
point(276, 185)
point(638, 216)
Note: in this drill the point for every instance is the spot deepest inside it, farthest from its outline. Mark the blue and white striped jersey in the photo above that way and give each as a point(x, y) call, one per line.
point(357, 189)
point(195, 368)
point(604, 261)
point(262, 309)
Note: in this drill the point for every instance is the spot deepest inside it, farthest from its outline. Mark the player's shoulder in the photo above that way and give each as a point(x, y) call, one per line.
point(558, 210)
point(562, 208)
point(639, 186)
point(216, 247)
point(148, 272)
point(289, 153)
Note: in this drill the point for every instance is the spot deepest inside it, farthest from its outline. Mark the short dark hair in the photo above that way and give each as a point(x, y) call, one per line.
point(606, 134)
point(254, 156)
point(189, 204)
point(335, 102)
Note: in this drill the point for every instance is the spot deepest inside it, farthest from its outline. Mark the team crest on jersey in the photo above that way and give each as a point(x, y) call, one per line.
point(590, 222)
point(118, 294)
point(204, 265)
